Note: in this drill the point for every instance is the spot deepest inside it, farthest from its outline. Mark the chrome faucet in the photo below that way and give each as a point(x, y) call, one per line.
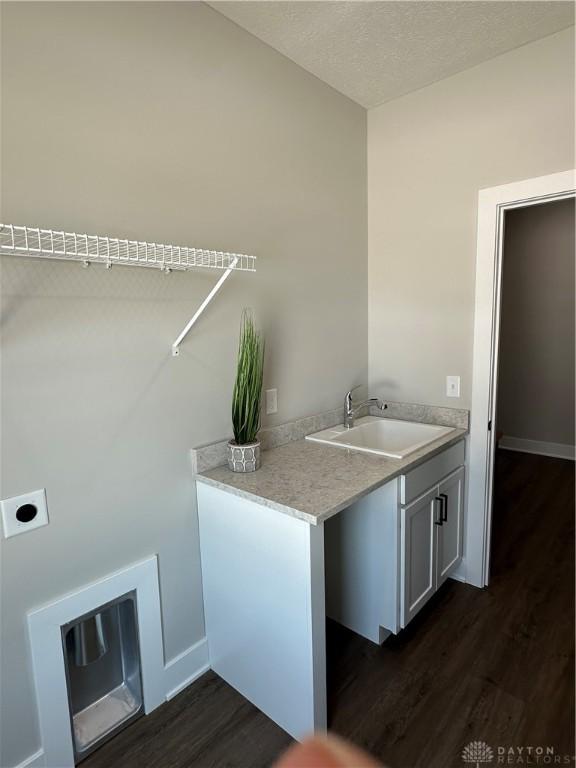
point(350, 410)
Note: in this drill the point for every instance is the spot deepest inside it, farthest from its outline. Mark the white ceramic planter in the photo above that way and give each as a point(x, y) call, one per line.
point(244, 458)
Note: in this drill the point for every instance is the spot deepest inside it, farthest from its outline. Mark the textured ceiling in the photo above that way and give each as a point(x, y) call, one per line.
point(377, 51)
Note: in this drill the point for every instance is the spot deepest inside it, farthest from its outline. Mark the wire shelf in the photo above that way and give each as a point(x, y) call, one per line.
point(71, 246)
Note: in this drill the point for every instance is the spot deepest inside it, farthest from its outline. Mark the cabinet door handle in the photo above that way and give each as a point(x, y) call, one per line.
point(439, 519)
point(444, 512)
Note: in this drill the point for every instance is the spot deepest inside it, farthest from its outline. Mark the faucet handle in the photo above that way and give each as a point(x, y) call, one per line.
point(348, 397)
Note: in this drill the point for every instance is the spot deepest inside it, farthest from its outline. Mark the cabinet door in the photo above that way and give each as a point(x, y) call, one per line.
point(450, 533)
point(418, 550)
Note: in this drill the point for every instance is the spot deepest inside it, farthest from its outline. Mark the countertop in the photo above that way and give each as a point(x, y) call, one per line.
point(312, 481)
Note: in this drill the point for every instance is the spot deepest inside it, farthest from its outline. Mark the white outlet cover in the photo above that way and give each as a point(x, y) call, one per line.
point(24, 513)
point(453, 386)
point(271, 401)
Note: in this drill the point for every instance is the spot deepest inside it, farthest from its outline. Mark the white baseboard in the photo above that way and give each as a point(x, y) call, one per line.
point(188, 666)
point(179, 672)
point(37, 760)
point(556, 450)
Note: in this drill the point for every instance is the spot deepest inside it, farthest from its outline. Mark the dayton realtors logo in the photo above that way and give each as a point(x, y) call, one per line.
point(479, 753)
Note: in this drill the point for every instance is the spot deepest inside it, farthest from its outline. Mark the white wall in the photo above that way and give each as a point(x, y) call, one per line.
point(166, 122)
point(429, 153)
point(537, 345)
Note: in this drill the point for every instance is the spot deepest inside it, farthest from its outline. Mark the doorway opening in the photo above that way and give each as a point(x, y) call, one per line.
point(493, 206)
point(535, 387)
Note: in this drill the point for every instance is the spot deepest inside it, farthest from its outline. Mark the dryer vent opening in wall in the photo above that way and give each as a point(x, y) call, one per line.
point(103, 673)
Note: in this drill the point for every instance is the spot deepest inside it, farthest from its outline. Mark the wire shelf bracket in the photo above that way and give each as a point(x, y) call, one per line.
point(201, 308)
point(33, 242)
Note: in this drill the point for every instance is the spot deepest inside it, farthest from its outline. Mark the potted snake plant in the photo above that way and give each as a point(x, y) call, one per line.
point(244, 450)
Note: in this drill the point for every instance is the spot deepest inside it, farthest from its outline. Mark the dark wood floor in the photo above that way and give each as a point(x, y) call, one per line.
point(494, 665)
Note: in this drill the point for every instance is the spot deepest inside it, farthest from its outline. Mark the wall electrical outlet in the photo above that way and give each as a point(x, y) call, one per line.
point(271, 401)
point(24, 513)
point(453, 386)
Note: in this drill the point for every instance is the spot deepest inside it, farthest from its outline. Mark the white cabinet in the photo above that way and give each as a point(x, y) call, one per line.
point(418, 555)
point(388, 553)
point(431, 542)
point(450, 533)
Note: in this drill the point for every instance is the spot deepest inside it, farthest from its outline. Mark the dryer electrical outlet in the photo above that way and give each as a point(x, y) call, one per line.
point(24, 513)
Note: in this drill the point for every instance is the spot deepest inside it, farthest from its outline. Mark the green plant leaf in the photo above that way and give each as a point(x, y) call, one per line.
point(247, 394)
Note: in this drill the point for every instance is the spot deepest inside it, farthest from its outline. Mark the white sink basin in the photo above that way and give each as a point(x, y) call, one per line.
point(385, 437)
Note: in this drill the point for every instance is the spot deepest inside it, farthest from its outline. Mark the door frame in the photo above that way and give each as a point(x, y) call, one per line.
point(493, 203)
